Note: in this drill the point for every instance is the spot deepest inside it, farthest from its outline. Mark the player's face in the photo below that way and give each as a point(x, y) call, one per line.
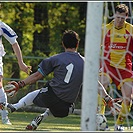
point(119, 19)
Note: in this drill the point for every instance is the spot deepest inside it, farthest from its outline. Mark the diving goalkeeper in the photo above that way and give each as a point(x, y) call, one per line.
point(58, 94)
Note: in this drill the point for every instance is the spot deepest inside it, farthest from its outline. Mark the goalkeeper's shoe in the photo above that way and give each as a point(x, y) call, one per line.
point(10, 108)
point(35, 123)
point(31, 127)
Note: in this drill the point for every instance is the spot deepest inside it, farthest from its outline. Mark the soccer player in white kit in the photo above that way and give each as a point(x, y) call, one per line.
point(10, 36)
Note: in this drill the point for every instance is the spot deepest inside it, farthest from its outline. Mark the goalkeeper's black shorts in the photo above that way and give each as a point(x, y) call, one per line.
point(58, 107)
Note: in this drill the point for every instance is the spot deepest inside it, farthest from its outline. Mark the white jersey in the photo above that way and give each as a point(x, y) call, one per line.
point(9, 35)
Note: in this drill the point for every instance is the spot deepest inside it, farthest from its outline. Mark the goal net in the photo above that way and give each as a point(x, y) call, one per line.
point(99, 14)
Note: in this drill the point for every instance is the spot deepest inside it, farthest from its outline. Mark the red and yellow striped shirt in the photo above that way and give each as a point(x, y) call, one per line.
point(118, 45)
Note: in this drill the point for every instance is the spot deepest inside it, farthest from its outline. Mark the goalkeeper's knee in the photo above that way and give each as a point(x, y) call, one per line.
point(62, 110)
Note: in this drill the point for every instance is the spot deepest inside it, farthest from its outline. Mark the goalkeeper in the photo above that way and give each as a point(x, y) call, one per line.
point(117, 59)
point(61, 91)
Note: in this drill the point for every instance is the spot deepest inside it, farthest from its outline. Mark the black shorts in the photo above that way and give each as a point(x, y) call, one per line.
point(58, 107)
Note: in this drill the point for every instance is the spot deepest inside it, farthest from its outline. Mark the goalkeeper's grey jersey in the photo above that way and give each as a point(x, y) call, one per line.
point(67, 71)
point(9, 35)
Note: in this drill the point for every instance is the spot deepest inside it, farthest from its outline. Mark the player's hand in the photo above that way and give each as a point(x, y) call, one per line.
point(28, 70)
point(12, 88)
point(114, 106)
point(25, 68)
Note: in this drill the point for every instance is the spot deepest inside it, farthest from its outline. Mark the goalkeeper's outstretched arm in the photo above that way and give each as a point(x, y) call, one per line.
point(33, 78)
point(112, 103)
point(30, 79)
point(12, 88)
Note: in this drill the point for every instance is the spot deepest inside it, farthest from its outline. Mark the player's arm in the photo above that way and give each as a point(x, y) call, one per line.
point(12, 88)
point(33, 78)
point(11, 36)
point(18, 53)
point(112, 103)
point(29, 80)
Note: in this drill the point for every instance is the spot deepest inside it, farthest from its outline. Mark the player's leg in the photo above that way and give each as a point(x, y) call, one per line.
point(101, 109)
point(126, 90)
point(101, 105)
point(37, 120)
point(3, 99)
point(25, 101)
point(104, 80)
point(57, 107)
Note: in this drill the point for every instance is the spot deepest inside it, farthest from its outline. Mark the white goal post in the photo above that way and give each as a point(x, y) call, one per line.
point(91, 67)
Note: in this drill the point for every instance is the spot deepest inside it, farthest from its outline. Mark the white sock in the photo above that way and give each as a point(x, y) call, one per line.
point(35, 121)
point(46, 114)
point(3, 99)
point(4, 114)
point(27, 100)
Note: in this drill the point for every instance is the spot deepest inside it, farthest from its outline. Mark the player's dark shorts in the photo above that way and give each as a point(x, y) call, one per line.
point(58, 107)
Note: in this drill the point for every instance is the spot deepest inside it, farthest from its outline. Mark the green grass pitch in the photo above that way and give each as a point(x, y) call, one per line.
point(51, 124)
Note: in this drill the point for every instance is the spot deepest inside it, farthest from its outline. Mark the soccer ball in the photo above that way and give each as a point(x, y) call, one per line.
point(101, 122)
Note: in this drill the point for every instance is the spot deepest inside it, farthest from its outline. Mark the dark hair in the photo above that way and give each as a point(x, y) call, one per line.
point(70, 39)
point(122, 8)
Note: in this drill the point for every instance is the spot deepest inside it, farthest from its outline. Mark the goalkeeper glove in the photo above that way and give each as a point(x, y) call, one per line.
point(113, 105)
point(12, 88)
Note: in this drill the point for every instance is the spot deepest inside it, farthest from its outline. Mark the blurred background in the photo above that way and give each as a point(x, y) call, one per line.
point(39, 26)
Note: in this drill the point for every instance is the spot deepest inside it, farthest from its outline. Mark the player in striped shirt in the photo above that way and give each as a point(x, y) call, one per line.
point(117, 61)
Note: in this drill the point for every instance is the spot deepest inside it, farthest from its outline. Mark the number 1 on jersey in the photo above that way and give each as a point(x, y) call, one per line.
point(69, 72)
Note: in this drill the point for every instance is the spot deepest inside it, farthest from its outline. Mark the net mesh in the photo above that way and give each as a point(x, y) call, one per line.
point(117, 52)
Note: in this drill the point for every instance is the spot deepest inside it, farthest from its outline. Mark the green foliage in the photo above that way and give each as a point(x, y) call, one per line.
point(20, 16)
point(39, 26)
point(61, 16)
point(64, 16)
